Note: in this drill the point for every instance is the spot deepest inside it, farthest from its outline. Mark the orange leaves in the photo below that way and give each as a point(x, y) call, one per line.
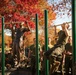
point(42, 5)
point(29, 38)
point(52, 15)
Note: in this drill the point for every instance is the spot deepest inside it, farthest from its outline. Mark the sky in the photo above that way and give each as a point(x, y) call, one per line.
point(65, 9)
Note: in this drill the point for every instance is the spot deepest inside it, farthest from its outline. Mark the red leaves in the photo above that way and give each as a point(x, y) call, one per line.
point(17, 26)
point(30, 2)
point(19, 17)
point(19, 7)
point(10, 25)
point(16, 15)
point(31, 24)
point(10, 8)
point(3, 3)
point(18, 1)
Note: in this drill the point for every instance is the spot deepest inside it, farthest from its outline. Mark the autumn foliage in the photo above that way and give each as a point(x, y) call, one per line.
point(25, 10)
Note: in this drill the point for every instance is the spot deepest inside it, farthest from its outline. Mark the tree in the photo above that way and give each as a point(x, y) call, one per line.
point(25, 10)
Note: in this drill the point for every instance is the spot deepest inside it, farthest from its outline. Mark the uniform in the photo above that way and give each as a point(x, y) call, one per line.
point(68, 58)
